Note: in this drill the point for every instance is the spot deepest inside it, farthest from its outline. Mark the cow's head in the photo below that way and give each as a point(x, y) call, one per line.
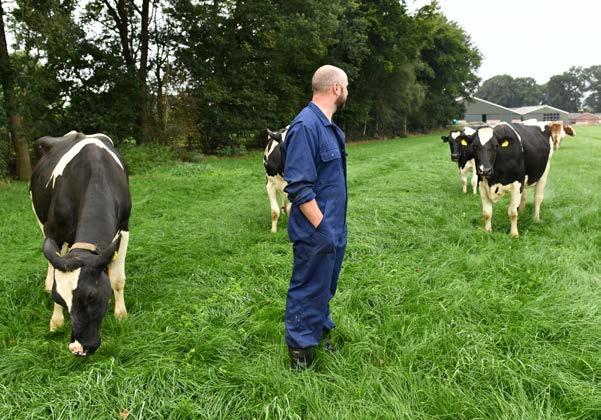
point(455, 148)
point(459, 142)
point(81, 285)
point(491, 144)
point(279, 136)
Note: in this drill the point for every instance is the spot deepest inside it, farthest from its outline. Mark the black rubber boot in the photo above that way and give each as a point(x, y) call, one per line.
point(301, 359)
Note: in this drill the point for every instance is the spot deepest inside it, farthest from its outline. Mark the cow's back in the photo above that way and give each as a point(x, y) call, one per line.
point(71, 173)
point(537, 149)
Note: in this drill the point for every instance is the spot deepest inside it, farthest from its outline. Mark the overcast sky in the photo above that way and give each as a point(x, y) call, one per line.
point(528, 38)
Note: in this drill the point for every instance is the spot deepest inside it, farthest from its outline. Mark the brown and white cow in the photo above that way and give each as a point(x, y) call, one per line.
point(558, 130)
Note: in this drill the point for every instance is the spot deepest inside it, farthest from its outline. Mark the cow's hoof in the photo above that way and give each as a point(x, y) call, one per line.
point(55, 324)
point(515, 235)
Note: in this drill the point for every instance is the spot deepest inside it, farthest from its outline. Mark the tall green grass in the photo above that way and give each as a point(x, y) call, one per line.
point(436, 318)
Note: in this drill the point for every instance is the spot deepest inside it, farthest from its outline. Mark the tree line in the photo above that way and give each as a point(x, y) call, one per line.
point(213, 74)
point(576, 90)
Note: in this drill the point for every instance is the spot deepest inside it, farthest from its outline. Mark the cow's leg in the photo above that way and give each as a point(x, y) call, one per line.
point(273, 202)
point(117, 276)
point(57, 319)
point(463, 174)
point(539, 193)
point(512, 210)
point(486, 207)
point(474, 178)
point(523, 198)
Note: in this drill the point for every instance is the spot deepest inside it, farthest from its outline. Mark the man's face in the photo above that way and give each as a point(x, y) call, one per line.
point(343, 93)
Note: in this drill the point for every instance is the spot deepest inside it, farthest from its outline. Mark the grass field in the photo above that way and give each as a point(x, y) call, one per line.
point(436, 318)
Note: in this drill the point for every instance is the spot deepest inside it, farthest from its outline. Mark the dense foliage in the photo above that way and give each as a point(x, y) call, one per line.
point(214, 74)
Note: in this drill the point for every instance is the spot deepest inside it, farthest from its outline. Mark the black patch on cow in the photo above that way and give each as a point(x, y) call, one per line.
point(527, 155)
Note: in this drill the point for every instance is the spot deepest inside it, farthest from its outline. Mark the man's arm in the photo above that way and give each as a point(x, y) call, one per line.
point(300, 172)
point(312, 212)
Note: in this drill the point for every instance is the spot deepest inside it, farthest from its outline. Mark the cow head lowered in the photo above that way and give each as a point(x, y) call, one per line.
point(82, 285)
point(498, 152)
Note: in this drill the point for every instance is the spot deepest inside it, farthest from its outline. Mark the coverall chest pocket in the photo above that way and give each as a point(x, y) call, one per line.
point(330, 154)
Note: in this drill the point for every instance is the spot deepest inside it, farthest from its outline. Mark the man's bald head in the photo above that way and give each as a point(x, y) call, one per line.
point(325, 76)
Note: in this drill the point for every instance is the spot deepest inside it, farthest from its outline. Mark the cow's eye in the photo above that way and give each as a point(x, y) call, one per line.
point(505, 143)
point(464, 142)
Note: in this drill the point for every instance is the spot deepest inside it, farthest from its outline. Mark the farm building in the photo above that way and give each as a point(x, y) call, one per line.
point(480, 110)
point(584, 118)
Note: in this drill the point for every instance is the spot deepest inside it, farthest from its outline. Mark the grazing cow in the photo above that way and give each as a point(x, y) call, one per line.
point(511, 158)
point(80, 196)
point(461, 152)
point(274, 172)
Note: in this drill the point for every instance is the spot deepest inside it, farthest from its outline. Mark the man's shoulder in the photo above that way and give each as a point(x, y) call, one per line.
point(306, 118)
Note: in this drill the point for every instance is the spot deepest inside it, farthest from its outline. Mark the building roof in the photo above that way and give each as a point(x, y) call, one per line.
point(490, 103)
point(521, 110)
point(528, 109)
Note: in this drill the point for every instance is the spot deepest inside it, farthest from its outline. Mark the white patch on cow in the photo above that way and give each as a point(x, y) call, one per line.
point(70, 133)
point(535, 123)
point(74, 151)
point(65, 284)
point(485, 134)
point(99, 136)
point(455, 134)
point(469, 131)
point(76, 348)
point(117, 275)
point(36, 215)
point(272, 145)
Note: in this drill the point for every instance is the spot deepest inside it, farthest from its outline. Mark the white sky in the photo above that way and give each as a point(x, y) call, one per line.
point(528, 38)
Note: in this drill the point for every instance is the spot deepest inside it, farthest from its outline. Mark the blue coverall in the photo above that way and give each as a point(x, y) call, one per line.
point(315, 168)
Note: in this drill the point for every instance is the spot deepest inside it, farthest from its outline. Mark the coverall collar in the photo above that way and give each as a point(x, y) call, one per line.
point(319, 113)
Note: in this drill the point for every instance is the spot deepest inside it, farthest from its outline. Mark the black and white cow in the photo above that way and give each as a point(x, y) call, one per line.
point(509, 159)
point(80, 196)
point(274, 172)
point(461, 152)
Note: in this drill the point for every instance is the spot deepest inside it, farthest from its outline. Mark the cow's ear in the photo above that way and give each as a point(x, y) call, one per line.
point(107, 255)
point(444, 139)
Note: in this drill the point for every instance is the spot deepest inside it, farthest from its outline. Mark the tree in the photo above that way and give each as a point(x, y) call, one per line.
point(565, 91)
point(509, 92)
point(593, 82)
point(14, 120)
point(450, 62)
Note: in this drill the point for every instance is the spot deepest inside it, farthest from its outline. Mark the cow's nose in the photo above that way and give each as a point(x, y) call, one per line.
point(455, 157)
point(485, 172)
point(77, 349)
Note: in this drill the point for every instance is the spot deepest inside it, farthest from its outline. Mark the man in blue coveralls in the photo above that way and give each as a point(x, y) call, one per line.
point(315, 170)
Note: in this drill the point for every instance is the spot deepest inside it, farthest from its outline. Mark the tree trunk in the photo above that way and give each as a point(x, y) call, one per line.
point(14, 120)
point(145, 119)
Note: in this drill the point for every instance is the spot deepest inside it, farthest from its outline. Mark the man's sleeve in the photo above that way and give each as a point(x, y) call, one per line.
point(299, 166)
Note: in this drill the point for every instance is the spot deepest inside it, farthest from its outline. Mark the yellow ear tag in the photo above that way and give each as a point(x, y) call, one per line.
point(464, 142)
point(505, 143)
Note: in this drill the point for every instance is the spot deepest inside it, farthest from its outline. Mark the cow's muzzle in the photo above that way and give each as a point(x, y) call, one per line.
point(455, 157)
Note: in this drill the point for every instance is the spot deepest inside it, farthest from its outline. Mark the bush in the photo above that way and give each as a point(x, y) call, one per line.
point(144, 158)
